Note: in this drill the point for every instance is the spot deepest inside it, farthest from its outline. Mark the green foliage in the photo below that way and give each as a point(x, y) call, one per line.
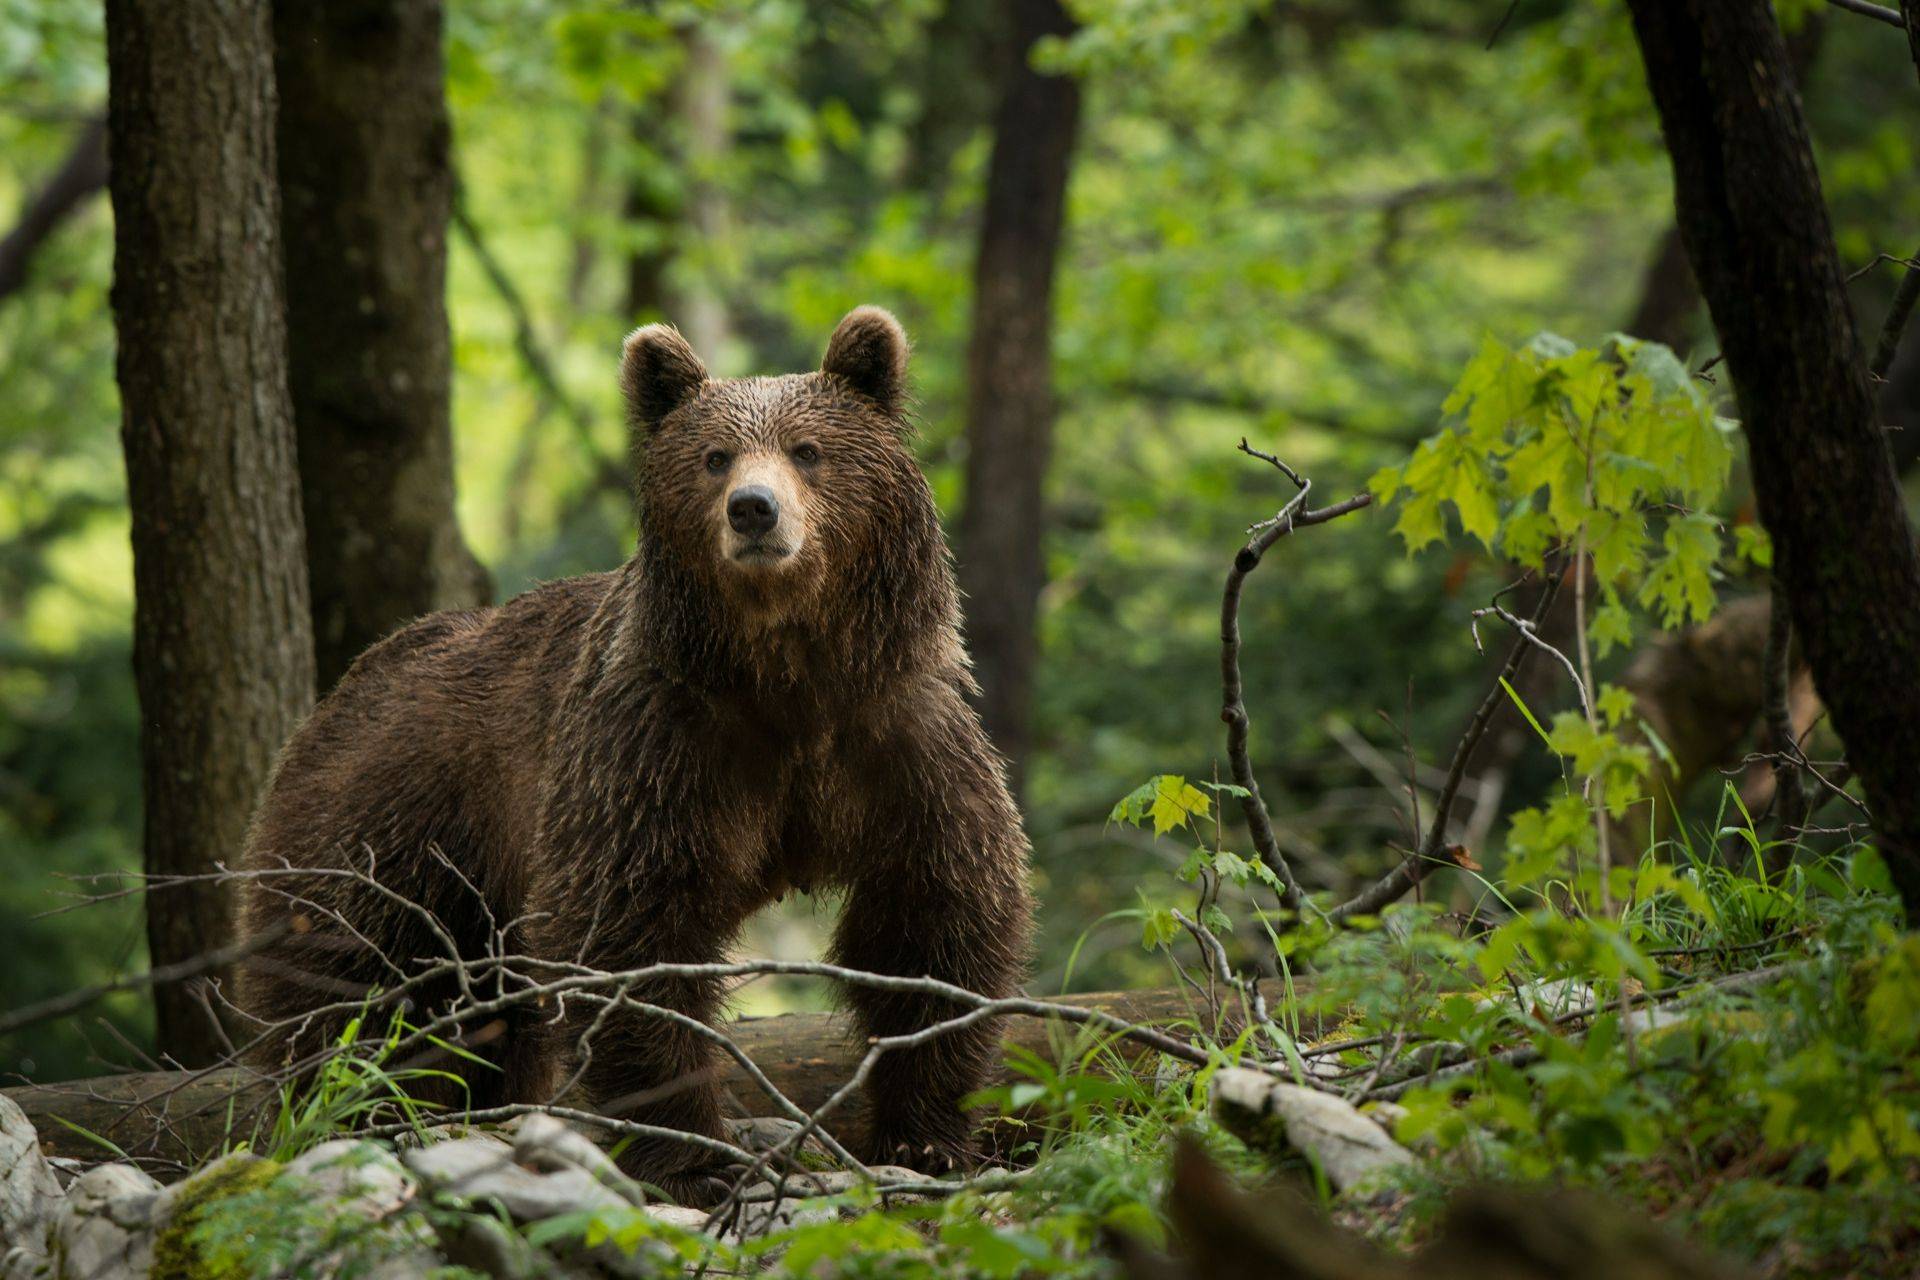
point(1167, 801)
point(1785, 1112)
point(1291, 226)
point(194, 1244)
point(1616, 450)
point(355, 1087)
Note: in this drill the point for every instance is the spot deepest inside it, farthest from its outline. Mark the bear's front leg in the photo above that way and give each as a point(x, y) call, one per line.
point(942, 893)
point(655, 1071)
point(633, 1063)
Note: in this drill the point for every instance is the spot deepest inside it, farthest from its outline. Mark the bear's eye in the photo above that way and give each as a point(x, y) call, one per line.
point(717, 460)
point(806, 455)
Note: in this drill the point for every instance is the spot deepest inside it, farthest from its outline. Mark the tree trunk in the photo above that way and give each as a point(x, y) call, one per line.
point(368, 187)
point(1756, 229)
point(652, 203)
point(1010, 405)
point(1669, 297)
point(223, 655)
point(687, 127)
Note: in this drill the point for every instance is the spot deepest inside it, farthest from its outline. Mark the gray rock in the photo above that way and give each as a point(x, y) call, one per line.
point(550, 1145)
point(103, 1230)
point(29, 1192)
point(761, 1134)
point(17, 1264)
point(1353, 1151)
point(483, 1169)
point(360, 1177)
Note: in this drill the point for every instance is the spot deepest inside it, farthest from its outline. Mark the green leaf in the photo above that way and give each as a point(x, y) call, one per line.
point(1167, 801)
point(1680, 586)
point(1614, 704)
point(1751, 543)
point(1158, 928)
point(1610, 627)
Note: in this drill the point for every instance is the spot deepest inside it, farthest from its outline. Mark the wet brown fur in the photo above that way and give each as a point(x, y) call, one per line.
point(632, 763)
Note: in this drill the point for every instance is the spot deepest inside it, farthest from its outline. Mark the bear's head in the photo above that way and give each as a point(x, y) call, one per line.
point(795, 501)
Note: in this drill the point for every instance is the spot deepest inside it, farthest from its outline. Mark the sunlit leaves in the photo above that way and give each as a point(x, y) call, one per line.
point(1680, 586)
point(1540, 839)
point(1166, 801)
point(1551, 445)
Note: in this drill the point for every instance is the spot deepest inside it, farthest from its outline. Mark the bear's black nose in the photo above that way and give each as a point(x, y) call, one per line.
point(753, 510)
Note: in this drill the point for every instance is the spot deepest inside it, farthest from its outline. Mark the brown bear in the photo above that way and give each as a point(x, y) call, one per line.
point(617, 770)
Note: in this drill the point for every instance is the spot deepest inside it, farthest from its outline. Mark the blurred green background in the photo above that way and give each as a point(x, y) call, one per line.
point(1291, 222)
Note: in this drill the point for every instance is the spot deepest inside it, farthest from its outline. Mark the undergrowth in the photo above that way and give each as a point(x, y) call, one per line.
point(1775, 1118)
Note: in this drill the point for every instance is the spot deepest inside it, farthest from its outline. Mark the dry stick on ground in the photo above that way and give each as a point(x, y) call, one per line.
point(1397, 883)
point(1233, 709)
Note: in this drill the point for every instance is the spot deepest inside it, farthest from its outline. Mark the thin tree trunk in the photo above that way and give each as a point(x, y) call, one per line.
point(1669, 296)
point(368, 188)
point(1757, 232)
point(1010, 406)
point(655, 205)
point(687, 130)
point(702, 98)
point(223, 654)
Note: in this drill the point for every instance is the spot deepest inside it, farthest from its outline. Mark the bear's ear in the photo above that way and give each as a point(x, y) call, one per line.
point(869, 353)
point(659, 373)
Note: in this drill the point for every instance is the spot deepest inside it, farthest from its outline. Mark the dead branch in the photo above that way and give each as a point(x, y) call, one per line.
point(1867, 9)
point(1233, 708)
point(182, 1116)
point(73, 1001)
point(1397, 883)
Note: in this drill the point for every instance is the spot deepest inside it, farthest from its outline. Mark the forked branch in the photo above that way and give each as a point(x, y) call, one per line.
point(1233, 707)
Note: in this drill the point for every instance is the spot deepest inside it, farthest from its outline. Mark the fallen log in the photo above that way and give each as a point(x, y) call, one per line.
point(185, 1117)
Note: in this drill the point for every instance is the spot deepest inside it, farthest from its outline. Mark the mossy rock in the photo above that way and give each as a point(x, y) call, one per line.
point(179, 1250)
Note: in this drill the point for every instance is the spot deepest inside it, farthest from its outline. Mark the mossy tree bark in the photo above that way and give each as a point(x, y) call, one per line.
point(1010, 406)
point(223, 654)
point(1757, 232)
point(367, 184)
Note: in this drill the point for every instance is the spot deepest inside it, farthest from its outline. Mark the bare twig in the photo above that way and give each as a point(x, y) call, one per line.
point(1397, 883)
point(1867, 9)
point(1898, 313)
point(1233, 709)
point(1529, 630)
point(192, 967)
